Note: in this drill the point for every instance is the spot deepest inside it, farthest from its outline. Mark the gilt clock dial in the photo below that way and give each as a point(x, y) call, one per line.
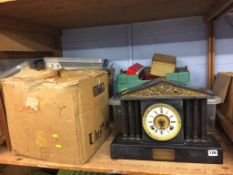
point(161, 122)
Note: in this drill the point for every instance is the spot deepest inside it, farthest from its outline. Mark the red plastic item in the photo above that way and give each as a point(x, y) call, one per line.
point(134, 69)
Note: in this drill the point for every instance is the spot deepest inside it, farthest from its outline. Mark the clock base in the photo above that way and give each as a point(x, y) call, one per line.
point(208, 152)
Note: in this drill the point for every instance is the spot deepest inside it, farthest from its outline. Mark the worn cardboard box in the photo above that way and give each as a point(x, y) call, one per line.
point(162, 65)
point(3, 124)
point(57, 116)
point(223, 87)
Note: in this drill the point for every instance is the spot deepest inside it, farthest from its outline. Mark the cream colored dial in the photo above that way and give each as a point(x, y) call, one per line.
point(161, 122)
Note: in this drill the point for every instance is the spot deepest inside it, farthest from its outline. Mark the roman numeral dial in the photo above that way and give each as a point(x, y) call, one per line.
point(161, 122)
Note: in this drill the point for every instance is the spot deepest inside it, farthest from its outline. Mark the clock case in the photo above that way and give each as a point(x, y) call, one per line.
point(192, 144)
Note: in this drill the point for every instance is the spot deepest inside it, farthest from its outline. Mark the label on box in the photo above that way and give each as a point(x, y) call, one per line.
point(212, 153)
point(32, 102)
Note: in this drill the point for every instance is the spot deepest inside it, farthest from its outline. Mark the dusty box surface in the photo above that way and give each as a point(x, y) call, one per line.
point(57, 116)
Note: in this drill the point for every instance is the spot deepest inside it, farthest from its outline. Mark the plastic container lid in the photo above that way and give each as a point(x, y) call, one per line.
point(114, 101)
point(214, 100)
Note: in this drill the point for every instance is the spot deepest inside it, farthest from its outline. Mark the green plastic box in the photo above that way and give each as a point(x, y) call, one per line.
point(180, 77)
point(125, 82)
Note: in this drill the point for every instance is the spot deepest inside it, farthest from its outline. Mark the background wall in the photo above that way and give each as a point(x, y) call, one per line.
point(124, 45)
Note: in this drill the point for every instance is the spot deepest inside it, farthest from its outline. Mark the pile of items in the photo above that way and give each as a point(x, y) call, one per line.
point(162, 66)
point(62, 115)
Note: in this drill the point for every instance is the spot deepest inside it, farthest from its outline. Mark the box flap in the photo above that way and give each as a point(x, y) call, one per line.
point(221, 85)
point(31, 74)
point(52, 78)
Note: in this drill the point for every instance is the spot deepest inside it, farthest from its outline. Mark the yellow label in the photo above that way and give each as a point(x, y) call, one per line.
point(40, 139)
point(58, 146)
point(55, 135)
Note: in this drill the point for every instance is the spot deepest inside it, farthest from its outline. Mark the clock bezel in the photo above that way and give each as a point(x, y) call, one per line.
point(158, 137)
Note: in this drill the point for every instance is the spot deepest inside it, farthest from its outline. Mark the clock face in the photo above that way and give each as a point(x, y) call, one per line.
point(161, 122)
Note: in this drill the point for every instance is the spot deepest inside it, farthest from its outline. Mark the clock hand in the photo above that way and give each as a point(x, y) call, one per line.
point(161, 123)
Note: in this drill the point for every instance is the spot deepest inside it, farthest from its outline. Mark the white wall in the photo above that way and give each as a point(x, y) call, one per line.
point(137, 42)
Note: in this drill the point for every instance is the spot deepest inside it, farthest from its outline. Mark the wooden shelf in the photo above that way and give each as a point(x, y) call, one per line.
point(24, 54)
point(101, 162)
point(85, 13)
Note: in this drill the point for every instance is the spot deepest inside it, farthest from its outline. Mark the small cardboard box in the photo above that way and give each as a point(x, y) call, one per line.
point(162, 65)
point(57, 116)
point(223, 87)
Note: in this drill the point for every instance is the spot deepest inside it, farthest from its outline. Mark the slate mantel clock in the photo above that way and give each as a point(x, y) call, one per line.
point(162, 120)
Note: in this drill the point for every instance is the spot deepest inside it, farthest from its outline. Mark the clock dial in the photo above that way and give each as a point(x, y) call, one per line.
point(161, 122)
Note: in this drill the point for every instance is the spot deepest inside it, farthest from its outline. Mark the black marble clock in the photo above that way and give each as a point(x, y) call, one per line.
point(162, 120)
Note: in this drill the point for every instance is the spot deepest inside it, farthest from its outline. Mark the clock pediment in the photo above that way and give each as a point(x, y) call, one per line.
point(161, 88)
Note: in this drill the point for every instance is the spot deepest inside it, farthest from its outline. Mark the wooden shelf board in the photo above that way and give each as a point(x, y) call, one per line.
point(101, 162)
point(85, 13)
point(24, 54)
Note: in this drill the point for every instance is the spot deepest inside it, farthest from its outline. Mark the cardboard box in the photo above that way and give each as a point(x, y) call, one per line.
point(223, 87)
point(162, 65)
point(57, 116)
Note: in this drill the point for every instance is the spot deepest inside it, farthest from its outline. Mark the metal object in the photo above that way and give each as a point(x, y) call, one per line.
point(75, 63)
point(14, 66)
